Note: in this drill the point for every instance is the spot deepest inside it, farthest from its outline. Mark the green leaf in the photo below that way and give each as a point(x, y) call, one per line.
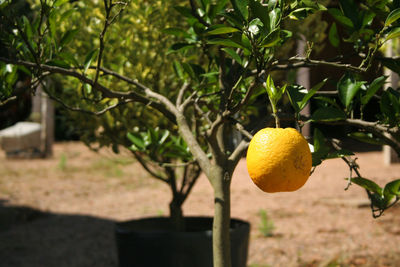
point(68, 36)
point(391, 63)
point(220, 5)
point(27, 27)
point(177, 32)
point(393, 187)
point(272, 4)
point(198, 70)
point(260, 12)
point(296, 94)
point(25, 70)
point(225, 42)
point(368, 184)
point(4, 4)
point(188, 69)
point(348, 88)
point(240, 6)
point(301, 13)
point(137, 141)
point(310, 93)
point(234, 19)
point(333, 36)
point(274, 18)
point(12, 74)
point(391, 190)
point(394, 33)
point(320, 148)
point(271, 89)
point(58, 63)
point(67, 14)
point(222, 30)
point(366, 138)
point(184, 11)
point(328, 114)
point(386, 106)
point(271, 39)
point(392, 17)
point(178, 69)
point(351, 11)
point(244, 41)
point(88, 88)
point(164, 137)
point(328, 100)
point(58, 3)
point(233, 54)
point(89, 58)
point(69, 58)
point(52, 22)
point(390, 105)
point(338, 15)
point(373, 88)
point(178, 47)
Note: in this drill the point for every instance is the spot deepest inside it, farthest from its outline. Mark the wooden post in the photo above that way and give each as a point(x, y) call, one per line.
point(389, 155)
point(303, 79)
point(43, 112)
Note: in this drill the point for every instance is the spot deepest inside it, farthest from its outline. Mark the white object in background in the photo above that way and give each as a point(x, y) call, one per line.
point(21, 136)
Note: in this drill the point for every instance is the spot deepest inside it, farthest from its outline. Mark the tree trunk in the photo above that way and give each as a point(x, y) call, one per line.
point(176, 215)
point(222, 215)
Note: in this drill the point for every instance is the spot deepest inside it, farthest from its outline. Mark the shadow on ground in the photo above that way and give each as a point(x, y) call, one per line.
point(33, 238)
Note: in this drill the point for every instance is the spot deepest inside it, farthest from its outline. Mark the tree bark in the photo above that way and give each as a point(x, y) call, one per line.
point(176, 215)
point(222, 215)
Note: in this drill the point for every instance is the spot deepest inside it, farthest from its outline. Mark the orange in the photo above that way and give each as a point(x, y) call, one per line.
point(279, 160)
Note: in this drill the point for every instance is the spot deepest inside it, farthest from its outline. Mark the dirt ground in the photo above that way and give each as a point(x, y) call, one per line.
point(60, 212)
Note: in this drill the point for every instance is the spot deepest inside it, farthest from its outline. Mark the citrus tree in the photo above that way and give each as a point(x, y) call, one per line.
point(229, 57)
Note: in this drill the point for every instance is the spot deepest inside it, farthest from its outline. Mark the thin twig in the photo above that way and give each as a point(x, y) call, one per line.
point(12, 98)
point(181, 93)
point(159, 105)
point(300, 62)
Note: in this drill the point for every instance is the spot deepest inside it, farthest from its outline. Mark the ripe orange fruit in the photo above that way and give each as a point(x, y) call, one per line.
point(279, 160)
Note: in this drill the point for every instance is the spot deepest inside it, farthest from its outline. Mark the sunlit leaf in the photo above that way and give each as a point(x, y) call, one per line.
point(393, 187)
point(373, 88)
point(348, 87)
point(394, 33)
point(368, 184)
point(222, 30)
point(366, 138)
point(392, 17)
point(310, 93)
point(89, 58)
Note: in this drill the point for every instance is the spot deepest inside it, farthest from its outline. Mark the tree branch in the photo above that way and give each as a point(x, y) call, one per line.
point(196, 15)
point(96, 113)
point(147, 168)
point(375, 128)
point(12, 98)
point(194, 146)
point(300, 62)
point(161, 107)
point(181, 93)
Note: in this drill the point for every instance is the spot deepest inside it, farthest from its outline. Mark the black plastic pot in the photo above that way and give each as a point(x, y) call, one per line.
point(150, 242)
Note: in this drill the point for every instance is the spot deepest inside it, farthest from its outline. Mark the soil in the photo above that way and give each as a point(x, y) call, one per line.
point(61, 212)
